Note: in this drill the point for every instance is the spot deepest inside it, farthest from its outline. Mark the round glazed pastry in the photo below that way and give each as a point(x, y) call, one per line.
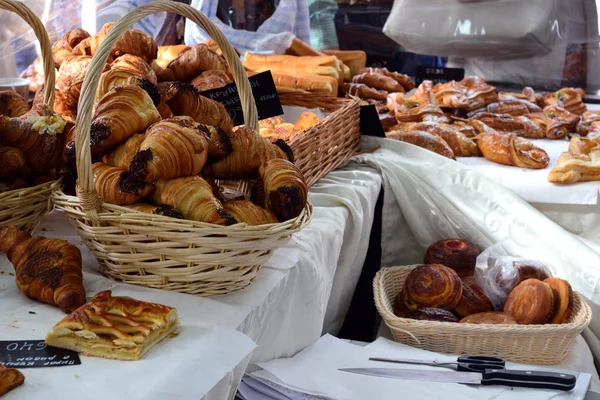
point(472, 301)
point(460, 255)
point(531, 302)
point(563, 307)
point(432, 286)
point(432, 314)
point(493, 318)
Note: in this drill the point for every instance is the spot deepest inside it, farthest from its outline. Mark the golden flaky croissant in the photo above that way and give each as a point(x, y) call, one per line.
point(284, 187)
point(509, 149)
point(122, 112)
point(48, 270)
point(211, 79)
point(121, 70)
point(11, 162)
point(172, 148)
point(186, 100)
point(132, 42)
point(166, 54)
point(63, 48)
point(191, 63)
point(250, 151)
point(193, 196)
point(38, 134)
point(245, 211)
point(161, 209)
point(12, 104)
point(425, 140)
point(114, 185)
point(35, 74)
point(122, 155)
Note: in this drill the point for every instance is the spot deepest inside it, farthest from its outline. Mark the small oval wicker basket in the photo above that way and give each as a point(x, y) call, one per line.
point(157, 251)
point(527, 344)
point(24, 208)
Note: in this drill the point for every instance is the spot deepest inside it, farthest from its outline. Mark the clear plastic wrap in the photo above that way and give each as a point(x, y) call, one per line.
point(498, 274)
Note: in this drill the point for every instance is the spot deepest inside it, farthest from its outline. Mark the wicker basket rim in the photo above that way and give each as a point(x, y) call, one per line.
point(578, 321)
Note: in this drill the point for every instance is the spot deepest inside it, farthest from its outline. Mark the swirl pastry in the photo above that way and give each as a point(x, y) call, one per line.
point(431, 314)
point(12, 104)
point(521, 125)
point(473, 301)
point(587, 119)
point(363, 91)
point(245, 211)
point(461, 145)
point(564, 300)
point(493, 318)
point(417, 105)
point(63, 48)
point(560, 122)
point(508, 149)
point(531, 302)
point(379, 82)
point(425, 140)
point(402, 79)
point(570, 99)
point(479, 93)
point(432, 286)
point(451, 95)
point(460, 255)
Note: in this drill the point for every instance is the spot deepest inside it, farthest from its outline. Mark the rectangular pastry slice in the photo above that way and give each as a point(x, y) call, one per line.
point(119, 328)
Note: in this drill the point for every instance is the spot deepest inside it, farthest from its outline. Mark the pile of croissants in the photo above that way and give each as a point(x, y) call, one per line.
point(443, 289)
point(157, 145)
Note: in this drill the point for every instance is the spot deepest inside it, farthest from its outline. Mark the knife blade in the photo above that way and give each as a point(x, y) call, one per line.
point(502, 377)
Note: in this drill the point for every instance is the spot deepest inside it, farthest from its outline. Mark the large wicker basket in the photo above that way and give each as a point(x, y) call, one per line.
point(24, 208)
point(528, 344)
point(157, 251)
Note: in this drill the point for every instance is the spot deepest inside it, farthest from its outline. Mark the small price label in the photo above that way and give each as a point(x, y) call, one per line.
point(263, 90)
point(35, 354)
point(438, 74)
point(370, 124)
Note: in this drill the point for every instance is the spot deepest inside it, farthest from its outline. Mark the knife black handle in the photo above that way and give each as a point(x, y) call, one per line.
point(529, 379)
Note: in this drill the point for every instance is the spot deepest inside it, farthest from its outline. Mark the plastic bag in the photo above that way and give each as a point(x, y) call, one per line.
point(498, 274)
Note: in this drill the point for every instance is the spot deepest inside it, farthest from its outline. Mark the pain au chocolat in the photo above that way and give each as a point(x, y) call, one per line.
point(460, 255)
point(119, 328)
point(563, 307)
point(432, 286)
point(531, 302)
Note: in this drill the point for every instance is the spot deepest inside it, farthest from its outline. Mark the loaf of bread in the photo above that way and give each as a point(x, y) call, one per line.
point(308, 82)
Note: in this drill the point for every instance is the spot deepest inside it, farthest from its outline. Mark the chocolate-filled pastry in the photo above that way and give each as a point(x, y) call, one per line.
point(10, 378)
point(479, 92)
point(285, 188)
point(431, 314)
point(116, 187)
point(492, 318)
point(432, 286)
point(245, 211)
point(460, 255)
point(121, 70)
point(531, 302)
point(588, 117)
point(563, 308)
point(12, 104)
point(509, 149)
point(161, 209)
point(451, 95)
point(425, 140)
point(472, 301)
point(417, 105)
point(122, 155)
point(570, 99)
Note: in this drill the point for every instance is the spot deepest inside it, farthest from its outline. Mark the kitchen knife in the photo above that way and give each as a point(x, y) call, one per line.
point(503, 377)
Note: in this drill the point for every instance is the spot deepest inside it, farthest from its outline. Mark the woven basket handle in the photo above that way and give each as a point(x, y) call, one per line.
point(40, 32)
point(86, 191)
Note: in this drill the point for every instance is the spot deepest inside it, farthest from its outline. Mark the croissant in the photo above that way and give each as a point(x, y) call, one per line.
point(451, 95)
point(425, 140)
point(172, 148)
point(162, 209)
point(38, 134)
point(48, 270)
point(285, 188)
point(132, 42)
point(12, 104)
point(122, 112)
point(193, 196)
point(122, 155)
point(509, 149)
point(121, 70)
point(84, 48)
point(34, 73)
point(219, 141)
point(166, 54)
point(211, 79)
point(63, 48)
point(11, 162)
point(187, 101)
point(461, 145)
point(379, 82)
point(245, 211)
point(250, 151)
point(115, 186)
point(191, 63)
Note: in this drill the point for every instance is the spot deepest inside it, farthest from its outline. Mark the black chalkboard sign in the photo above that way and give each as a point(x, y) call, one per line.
point(370, 124)
point(265, 95)
point(438, 74)
point(35, 354)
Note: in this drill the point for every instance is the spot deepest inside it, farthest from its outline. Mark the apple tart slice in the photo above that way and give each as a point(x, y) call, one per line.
point(119, 328)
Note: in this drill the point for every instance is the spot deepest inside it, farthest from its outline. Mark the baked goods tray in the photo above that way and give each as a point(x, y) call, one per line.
point(528, 344)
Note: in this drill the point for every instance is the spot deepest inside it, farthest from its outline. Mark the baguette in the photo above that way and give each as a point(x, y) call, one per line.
point(355, 59)
point(291, 68)
point(308, 82)
point(327, 61)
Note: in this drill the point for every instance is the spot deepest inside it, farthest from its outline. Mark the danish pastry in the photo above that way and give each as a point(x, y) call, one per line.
point(432, 286)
